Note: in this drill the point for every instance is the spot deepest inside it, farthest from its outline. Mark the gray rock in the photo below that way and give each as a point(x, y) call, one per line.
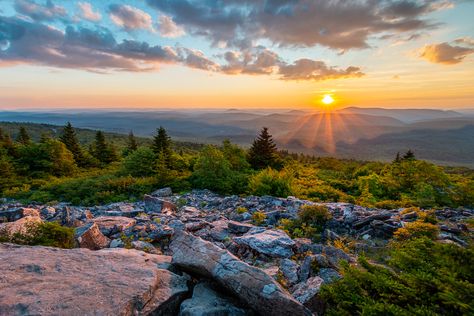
point(239, 228)
point(206, 301)
point(329, 275)
point(335, 255)
point(306, 293)
point(274, 243)
point(145, 246)
point(157, 205)
point(289, 269)
point(116, 243)
point(90, 237)
point(253, 286)
point(164, 192)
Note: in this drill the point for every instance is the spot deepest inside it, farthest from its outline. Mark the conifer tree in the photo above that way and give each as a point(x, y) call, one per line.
point(132, 144)
point(409, 155)
point(102, 150)
point(263, 152)
point(23, 136)
point(162, 145)
point(69, 138)
point(397, 158)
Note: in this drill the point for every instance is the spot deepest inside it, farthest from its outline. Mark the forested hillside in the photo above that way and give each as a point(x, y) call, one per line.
point(49, 163)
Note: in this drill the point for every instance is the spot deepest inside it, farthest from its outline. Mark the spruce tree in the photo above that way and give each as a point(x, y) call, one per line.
point(397, 158)
point(162, 145)
point(410, 155)
point(263, 152)
point(132, 144)
point(23, 136)
point(69, 139)
point(103, 151)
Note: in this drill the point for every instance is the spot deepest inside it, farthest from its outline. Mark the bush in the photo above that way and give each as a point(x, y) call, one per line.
point(140, 163)
point(422, 277)
point(417, 229)
point(271, 182)
point(314, 215)
point(44, 234)
point(259, 218)
point(309, 223)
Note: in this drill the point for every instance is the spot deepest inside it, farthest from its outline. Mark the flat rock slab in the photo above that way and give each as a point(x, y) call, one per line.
point(52, 281)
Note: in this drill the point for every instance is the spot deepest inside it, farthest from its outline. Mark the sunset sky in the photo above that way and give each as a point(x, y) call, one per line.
point(236, 53)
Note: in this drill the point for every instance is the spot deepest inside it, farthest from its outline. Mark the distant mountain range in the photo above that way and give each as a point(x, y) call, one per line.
point(446, 137)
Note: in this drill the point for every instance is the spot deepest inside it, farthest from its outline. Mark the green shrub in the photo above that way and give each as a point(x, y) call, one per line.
point(271, 182)
point(241, 210)
point(314, 215)
point(421, 277)
point(258, 218)
point(309, 223)
point(417, 229)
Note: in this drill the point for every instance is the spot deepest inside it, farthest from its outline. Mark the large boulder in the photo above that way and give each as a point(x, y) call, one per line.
point(22, 228)
point(307, 293)
point(52, 281)
point(90, 237)
point(207, 301)
point(11, 215)
point(157, 205)
point(238, 227)
point(253, 286)
point(109, 225)
point(274, 243)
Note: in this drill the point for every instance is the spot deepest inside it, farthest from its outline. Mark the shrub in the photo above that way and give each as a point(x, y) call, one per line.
point(415, 230)
point(259, 218)
point(422, 277)
point(44, 234)
point(309, 223)
point(315, 215)
point(241, 210)
point(271, 182)
point(140, 163)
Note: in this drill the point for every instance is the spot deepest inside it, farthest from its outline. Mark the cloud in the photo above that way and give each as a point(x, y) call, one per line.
point(130, 18)
point(445, 53)
point(337, 24)
point(38, 12)
point(307, 69)
point(168, 28)
point(29, 42)
point(87, 12)
point(465, 41)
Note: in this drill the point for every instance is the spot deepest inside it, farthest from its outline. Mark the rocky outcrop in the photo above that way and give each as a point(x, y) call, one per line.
point(51, 281)
point(90, 237)
point(206, 301)
point(274, 243)
point(250, 284)
point(157, 205)
point(23, 226)
point(109, 225)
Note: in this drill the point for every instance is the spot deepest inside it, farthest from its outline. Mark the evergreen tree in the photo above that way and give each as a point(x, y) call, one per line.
point(103, 151)
point(23, 137)
point(162, 144)
point(69, 139)
point(263, 152)
point(409, 155)
point(397, 158)
point(132, 144)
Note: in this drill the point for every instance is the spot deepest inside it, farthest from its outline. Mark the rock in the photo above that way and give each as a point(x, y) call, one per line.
point(176, 224)
point(90, 237)
point(154, 204)
point(145, 246)
point(11, 215)
point(208, 302)
point(117, 243)
point(122, 209)
point(164, 192)
point(335, 255)
point(329, 275)
point(306, 293)
point(52, 281)
point(238, 227)
point(274, 243)
point(24, 226)
point(110, 225)
point(158, 232)
point(367, 220)
point(409, 216)
point(253, 286)
point(219, 230)
point(289, 269)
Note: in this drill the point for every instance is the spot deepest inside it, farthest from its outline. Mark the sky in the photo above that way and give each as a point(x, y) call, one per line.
point(236, 53)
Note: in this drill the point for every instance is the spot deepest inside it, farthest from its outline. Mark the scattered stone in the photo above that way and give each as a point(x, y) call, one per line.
point(145, 246)
point(289, 269)
point(164, 192)
point(274, 243)
point(157, 205)
point(90, 237)
point(306, 293)
point(239, 228)
point(21, 227)
point(110, 225)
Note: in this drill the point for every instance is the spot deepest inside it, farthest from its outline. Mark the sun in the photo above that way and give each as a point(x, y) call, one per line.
point(327, 99)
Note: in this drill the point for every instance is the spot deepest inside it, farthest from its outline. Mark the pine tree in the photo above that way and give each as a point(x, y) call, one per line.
point(132, 144)
point(409, 155)
point(103, 151)
point(69, 139)
point(263, 152)
point(162, 145)
point(397, 158)
point(23, 137)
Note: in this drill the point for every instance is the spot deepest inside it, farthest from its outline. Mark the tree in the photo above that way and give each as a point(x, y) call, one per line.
point(132, 144)
point(69, 139)
point(235, 155)
point(101, 150)
point(409, 155)
point(162, 143)
point(397, 158)
point(263, 152)
point(23, 137)
point(212, 171)
point(140, 163)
